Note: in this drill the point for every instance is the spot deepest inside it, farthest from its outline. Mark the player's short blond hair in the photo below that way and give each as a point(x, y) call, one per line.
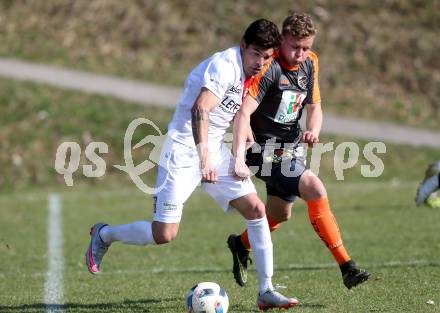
point(299, 25)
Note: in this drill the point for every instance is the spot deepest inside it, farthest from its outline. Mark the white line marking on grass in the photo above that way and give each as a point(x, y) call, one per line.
point(53, 287)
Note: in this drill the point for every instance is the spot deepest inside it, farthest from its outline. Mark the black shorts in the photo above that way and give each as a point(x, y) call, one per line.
point(281, 175)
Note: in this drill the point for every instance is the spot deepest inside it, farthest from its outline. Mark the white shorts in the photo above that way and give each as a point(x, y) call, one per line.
point(179, 175)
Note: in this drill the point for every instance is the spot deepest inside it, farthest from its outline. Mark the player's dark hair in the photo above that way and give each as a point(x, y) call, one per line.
point(262, 33)
point(299, 25)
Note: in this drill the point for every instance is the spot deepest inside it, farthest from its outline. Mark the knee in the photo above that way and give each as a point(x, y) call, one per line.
point(311, 187)
point(257, 210)
point(284, 217)
point(163, 235)
point(278, 210)
point(250, 206)
point(314, 194)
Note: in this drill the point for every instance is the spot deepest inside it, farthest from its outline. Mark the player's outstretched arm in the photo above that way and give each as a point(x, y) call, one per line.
point(241, 134)
point(313, 124)
point(204, 103)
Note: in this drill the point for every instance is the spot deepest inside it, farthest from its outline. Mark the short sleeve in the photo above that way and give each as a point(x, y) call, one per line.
point(219, 76)
point(314, 95)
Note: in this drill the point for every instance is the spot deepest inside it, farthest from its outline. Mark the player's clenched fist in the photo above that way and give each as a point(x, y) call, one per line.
point(241, 170)
point(208, 171)
point(310, 138)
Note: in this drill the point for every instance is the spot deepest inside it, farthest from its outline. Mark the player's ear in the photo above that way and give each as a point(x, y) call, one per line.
point(243, 44)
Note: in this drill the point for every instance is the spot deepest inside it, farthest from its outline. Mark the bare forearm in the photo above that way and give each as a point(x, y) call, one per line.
point(242, 133)
point(200, 122)
point(250, 140)
point(314, 119)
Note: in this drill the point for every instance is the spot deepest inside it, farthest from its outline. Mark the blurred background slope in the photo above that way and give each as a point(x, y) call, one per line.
point(378, 60)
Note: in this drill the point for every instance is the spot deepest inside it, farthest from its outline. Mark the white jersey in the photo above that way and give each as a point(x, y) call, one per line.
point(223, 75)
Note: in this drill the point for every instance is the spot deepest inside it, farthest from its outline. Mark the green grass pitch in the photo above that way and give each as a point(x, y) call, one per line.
point(382, 230)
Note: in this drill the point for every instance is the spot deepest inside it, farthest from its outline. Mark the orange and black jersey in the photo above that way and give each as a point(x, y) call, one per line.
point(282, 93)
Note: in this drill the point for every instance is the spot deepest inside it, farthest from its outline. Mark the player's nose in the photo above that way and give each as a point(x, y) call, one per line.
point(260, 62)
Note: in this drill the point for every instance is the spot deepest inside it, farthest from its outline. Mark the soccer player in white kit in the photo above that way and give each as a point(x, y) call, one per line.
point(194, 153)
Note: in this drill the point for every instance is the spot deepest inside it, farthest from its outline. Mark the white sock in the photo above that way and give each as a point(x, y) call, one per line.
point(138, 233)
point(261, 243)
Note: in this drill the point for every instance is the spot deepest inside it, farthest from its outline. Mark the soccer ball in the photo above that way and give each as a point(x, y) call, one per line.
point(207, 297)
point(433, 200)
